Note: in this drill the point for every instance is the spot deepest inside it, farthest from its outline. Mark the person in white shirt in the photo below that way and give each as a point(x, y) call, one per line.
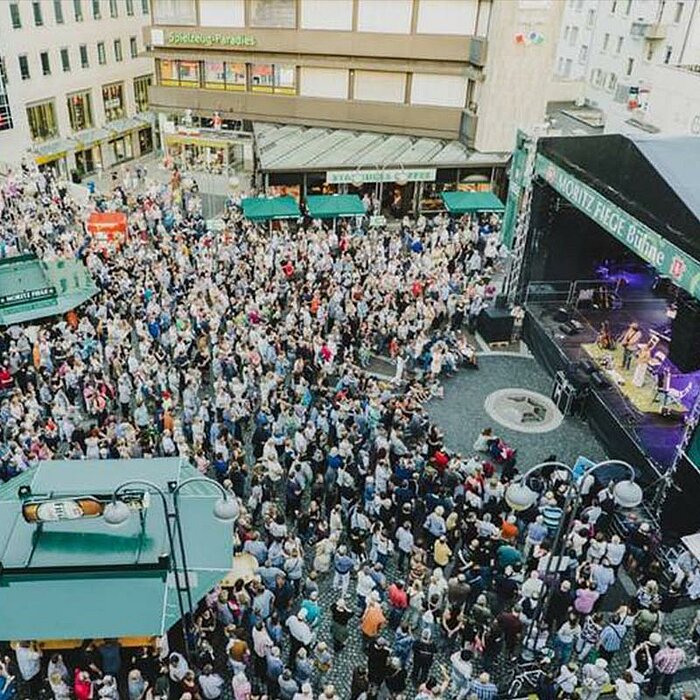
point(211, 683)
point(404, 540)
point(29, 664)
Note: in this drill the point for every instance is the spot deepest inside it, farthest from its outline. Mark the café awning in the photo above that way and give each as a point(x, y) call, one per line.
point(332, 206)
point(468, 202)
point(270, 208)
point(124, 126)
point(51, 150)
point(78, 578)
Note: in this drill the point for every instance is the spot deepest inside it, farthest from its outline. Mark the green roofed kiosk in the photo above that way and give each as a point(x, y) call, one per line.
point(70, 570)
point(468, 202)
point(333, 206)
point(31, 288)
point(270, 208)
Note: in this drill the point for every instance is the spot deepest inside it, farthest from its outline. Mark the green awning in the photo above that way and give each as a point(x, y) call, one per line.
point(331, 206)
point(466, 202)
point(266, 208)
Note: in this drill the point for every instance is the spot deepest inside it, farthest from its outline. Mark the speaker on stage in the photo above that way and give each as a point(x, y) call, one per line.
point(495, 325)
point(562, 315)
point(685, 336)
point(680, 514)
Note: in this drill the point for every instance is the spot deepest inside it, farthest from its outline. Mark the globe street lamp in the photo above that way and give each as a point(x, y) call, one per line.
point(226, 509)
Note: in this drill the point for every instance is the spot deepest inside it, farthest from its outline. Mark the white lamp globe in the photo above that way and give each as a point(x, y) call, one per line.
point(226, 509)
point(519, 496)
point(627, 493)
point(116, 513)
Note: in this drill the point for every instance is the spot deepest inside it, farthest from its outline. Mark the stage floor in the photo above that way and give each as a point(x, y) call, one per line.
point(657, 435)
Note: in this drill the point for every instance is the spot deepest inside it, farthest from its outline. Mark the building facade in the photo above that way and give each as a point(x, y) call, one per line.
point(610, 53)
point(447, 69)
point(74, 83)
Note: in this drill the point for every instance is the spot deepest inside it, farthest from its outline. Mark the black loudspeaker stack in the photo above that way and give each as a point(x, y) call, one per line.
point(684, 351)
point(680, 514)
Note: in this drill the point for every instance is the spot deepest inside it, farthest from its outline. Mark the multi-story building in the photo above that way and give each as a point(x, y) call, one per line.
point(74, 83)
point(610, 52)
point(468, 71)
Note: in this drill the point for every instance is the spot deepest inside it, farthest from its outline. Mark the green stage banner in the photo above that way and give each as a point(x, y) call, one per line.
point(516, 183)
point(666, 258)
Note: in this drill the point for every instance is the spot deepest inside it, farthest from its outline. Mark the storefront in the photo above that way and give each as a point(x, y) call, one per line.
point(206, 150)
point(145, 136)
point(88, 151)
point(53, 155)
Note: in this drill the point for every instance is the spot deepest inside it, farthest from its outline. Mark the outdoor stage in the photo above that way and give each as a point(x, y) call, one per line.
point(627, 419)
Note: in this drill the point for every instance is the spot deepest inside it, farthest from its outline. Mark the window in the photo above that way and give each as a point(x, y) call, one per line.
point(45, 63)
point(679, 12)
point(96, 9)
point(179, 73)
point(80, 110)
point(24, 67)
point(606, 42)
point(130, 8)
point(668, 54)
point(567, 68)
point(101, 53)
point(141, 86)
point(189, 73)
point(113, 9)
point(180, 12)
point(224, 76)
point(113, 99)
point(15, 16)
point(5, 113)
point(628, 8)
point(38, 17)
point(280, 78)
point(278, 14)
point(620, 42)
point(145, 6)
point(583, 54)
point(58, 11)
point(84, 59)
point(630, 66)
point(650, 51)
point(65, 60)
point(612, 82)
point(42, 121)
point(596, 77)
point(118, 50)
point(613, 7)
point(573, 37)
point(78, 10)
point(590, 18)
point(133, 47)
point(560, 66)
point(567, 31)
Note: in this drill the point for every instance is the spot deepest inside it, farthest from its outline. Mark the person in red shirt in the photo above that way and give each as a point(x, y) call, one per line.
point(6, 380)
point(398, 601)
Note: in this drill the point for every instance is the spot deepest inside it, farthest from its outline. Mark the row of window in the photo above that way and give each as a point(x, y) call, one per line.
point(42, 116)
point(60, 6)
point(220, 75)
point(677, 13)
point(83, 55)
point(5, 113)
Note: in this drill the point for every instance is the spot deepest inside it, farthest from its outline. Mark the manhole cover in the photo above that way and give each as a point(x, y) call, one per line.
point(523, 410)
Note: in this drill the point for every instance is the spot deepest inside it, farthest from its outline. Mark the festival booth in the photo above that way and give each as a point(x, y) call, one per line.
point(463, 202)
point(334, 206)
point(72, 571)
point(611, 239)
point(270, 208)
point(108, 230)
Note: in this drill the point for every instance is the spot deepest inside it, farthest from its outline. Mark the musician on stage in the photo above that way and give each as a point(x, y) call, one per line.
point(605, 339)
point(629, 341)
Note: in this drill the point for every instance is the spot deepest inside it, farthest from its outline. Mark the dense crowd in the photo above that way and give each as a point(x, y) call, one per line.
point(249, 352)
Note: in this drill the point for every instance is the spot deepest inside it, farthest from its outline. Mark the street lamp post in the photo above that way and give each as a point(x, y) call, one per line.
point(226, 509)
point(519, 496)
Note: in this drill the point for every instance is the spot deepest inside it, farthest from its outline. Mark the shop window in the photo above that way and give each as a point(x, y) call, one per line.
point(168, 73)
point(80, 110)
point(189, 73)
point(214, 75)
point(113, 99)
point(141, 86)
point(85, 162)
point(279, 78)
point(145, 141)
point(235, 76)
point(278, 14)
point(42, 121)
point(15, 17)
point(58, 11)
point(122, 148)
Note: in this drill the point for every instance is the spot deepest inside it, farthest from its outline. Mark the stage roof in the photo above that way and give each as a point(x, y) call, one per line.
point(656, 179)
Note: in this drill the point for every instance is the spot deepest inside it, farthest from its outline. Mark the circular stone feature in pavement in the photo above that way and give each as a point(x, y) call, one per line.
point(523, 410)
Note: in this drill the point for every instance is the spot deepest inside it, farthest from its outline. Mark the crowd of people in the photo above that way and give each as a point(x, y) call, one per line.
point(247, 352)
